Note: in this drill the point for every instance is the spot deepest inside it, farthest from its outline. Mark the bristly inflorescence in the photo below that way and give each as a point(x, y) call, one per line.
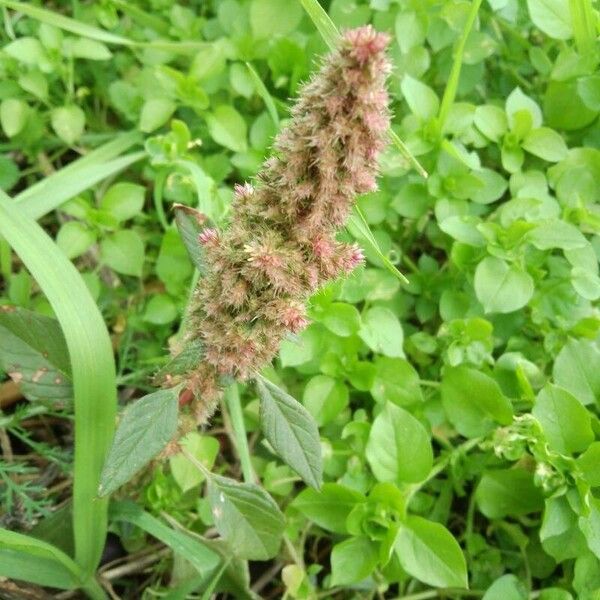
point(281, 243)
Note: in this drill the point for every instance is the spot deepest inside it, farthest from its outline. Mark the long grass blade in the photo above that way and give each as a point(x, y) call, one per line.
point(322, 22)
point(93, 371)
point(50, 193)
point(29, 559)
point(263, 92)
point(452, 85)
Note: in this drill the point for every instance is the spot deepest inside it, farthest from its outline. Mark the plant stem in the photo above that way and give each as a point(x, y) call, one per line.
point(452, 85)
point(232, 398)
point(94, 590)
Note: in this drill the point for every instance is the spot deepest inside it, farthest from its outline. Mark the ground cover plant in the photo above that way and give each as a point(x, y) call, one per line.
point(428, 426)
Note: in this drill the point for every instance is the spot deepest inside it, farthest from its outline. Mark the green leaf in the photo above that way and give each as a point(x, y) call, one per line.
point(246, 517)
point(429, 552)
point(399, 448)
point(502, 288)
point(590, 526)
point(382, 332)
point(575, 370)
point(559, 533)
point(123, 251)
point(92, 368)
point(322, 22)
point(263, 92)
point(228, 128)
point(507, 587)
point(155, 113)
point(352, 561)
point(33, 352)
point(89, 49)
point(180, 364)
point(68, 122)
point(27, 50)
point(397, 381)
point(190, 223)
point(13, 116)
point(509, 492)
point(146, 427)
point(123, 200)
point(202, 558)
point(325, 398)
point(291, 431)
point(546, 144)
point(491, 121)
point(519, 106)
point(552, 17)
point(473, 401)
point(74, 239)
point(421, 99)
point(557, 234)
point(566, 423)
point(341, 318)
point(589, 464)
point(160, 310)
point(204, 449)
point(269, 18)
point(329, 507)
point(32, 560)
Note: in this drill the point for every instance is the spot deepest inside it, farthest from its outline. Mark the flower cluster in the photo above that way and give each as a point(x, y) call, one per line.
point(281, 243)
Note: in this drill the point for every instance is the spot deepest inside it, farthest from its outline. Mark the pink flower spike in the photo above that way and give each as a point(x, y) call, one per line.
point(209, 237)
point(366, 42)
point(293, 319)
point(353, 259)
point(243, 192)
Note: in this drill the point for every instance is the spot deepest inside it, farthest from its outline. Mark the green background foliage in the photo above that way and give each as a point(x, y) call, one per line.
point(457, 411)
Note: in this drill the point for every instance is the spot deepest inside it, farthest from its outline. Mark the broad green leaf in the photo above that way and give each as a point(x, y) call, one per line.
point(576, 370)
point(28, 559)
point(325, 398)
point(329, 507)
point(204, 449)
point(340, 318)
point(155, 113)
point(123, 200)
point(382, 332)
point(473, 401)
point(203, 559)
point(589, 464)
point(160, 310)
point(352, 560)
point(246, 517)
point(559, 533)
point(508, 492)
point(123, 251)
point(552, 17)
point(557, 234)
point(502, 288)
point(566, 423)
point(429, 552)
point(519, 105)
point(27, 50)
point(546, 144)
point(507, 587)
point(183, 362)
point(421, 99)
point(396, 381)
point(34, 353)
point(90, 49)
point(291, 430)
point(228, 128)
point(589, 524)
point(270, 18)
point(13, 116)
point(146, 427)
point(491, 121)
point(74, 238)
point(190, 224)
point(399, 448)
point(68, 122)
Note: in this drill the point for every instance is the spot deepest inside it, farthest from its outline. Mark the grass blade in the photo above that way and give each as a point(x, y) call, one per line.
point(323, 22)
point(29, 559)
point(66, 23)
point(92, 366)
point(359, 225)
point(263, 92)
point(50, 193)
point(408, 155)
point(452, 85)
